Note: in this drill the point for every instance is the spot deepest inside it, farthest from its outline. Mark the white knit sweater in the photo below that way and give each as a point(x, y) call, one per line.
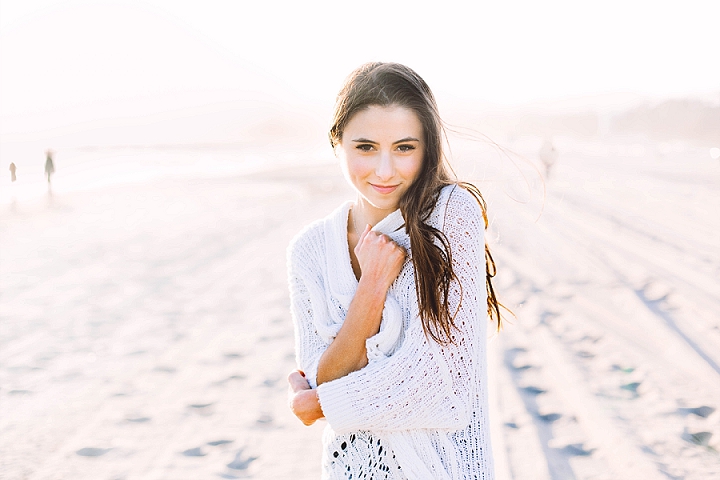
point(418, 410)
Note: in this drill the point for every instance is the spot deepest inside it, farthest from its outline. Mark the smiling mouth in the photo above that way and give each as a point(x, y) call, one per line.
point(384, 189)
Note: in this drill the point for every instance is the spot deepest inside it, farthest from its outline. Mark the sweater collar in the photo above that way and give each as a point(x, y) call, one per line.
point(391, 224)
point(341, 278)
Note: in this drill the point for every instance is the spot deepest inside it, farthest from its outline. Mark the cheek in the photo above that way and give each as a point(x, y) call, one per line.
point(413, 167)
point(350, 169)
point(357, 166)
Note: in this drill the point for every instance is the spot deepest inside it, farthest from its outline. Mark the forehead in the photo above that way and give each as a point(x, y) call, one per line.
point(384, 122)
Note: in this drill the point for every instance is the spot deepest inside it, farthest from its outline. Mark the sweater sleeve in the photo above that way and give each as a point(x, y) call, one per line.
point(424, 384)
point(305, 284)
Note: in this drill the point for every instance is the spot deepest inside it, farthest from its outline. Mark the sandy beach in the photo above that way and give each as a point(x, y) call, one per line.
point(145, 329)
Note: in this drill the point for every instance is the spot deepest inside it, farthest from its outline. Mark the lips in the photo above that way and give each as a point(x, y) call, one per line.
point(383, 189)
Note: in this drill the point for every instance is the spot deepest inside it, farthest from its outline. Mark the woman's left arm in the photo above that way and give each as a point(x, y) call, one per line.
point(423, 384)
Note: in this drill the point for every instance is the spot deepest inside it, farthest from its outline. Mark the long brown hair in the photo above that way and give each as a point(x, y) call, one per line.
point(385, 84)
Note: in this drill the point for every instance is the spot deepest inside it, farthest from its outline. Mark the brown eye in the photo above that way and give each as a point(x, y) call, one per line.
point(365, 147)
point(406, 148)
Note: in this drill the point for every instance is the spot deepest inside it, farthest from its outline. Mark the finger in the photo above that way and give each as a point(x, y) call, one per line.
point(296, 378)
point(362, 238)
point(364, 233)
point(298, 382)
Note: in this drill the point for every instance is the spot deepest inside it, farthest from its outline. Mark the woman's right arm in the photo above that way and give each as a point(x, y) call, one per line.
point(380, 261)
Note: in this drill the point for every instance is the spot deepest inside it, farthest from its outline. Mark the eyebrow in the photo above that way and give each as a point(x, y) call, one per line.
point(402, 140)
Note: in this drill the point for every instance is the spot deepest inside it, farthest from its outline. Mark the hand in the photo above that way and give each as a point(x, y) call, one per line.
point(380, 258)
point(303, 400)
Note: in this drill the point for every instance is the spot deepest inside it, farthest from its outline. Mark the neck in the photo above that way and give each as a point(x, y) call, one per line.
point(364, 213)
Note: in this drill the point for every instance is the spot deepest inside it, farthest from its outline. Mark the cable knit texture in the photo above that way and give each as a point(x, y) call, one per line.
point(418, 410)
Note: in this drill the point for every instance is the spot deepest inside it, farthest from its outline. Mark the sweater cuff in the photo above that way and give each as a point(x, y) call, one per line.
point(372, 348)
point(311, 373)
point(337, 406)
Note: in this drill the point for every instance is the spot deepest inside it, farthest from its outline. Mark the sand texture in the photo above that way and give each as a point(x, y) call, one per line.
point(145, 330)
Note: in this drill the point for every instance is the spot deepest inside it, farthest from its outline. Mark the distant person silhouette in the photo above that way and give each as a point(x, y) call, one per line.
point(49, 168)
point(548, 156)
point(13, 178)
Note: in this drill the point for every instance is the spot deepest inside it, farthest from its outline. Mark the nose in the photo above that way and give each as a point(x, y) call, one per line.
point(385, 168)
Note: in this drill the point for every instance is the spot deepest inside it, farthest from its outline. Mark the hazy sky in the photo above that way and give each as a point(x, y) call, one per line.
point(65, 61)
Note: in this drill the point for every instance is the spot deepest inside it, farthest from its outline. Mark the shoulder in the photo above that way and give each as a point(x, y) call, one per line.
point(308, 245)
point(457, 205)
point(311, 234)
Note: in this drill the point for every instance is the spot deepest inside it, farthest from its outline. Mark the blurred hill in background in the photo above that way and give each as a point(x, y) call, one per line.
point(255, 122)
point(693, 120)
point(681, 119)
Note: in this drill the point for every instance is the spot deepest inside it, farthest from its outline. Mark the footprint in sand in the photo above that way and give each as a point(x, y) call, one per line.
point(219, 442)
point(137, 419)
point(121, 394)
point(591, 338)
point(547, 317)
point(194, 452)
point(20, 392)
point(654, 292)
point(533, 390)
point(270, 382)
point(269, 338)
point(699, 438)
point(703, 411)
point(233, 356)
point(204, 409)
point(241, 462)
point(577, 450)
point(516, 360)
point(264, 419)
point(620, 368)
point(92, 451)
point(517, 350)
point(632, 387)
point(550, 417)
point(519, 365)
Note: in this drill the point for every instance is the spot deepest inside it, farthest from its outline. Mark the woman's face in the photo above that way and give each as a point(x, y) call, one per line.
point(382, 153)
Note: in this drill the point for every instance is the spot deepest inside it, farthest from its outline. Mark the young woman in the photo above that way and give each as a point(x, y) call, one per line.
point(390, 296)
